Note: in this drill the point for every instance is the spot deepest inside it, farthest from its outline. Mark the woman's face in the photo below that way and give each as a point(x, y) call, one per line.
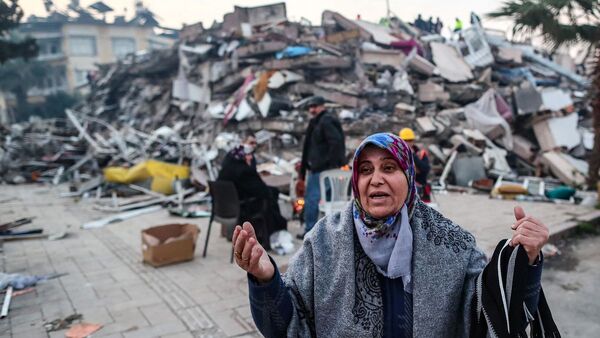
point(382, 185)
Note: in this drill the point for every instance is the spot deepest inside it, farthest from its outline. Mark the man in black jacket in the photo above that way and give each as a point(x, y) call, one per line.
point(324, 148)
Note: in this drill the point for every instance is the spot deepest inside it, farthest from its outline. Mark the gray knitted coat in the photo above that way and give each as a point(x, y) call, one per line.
point(336, 292)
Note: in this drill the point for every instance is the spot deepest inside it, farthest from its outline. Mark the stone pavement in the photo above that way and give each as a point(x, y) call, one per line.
point(489, 220)
point(571, 286)
point(206, 297)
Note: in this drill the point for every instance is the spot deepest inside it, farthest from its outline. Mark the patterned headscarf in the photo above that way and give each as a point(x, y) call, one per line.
point(238, 152)
point(388, 241)
point(402, 153)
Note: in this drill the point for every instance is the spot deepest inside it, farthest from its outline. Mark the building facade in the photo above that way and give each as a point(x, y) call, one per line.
point(72, 48)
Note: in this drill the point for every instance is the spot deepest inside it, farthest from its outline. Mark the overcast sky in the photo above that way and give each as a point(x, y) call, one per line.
point(173, 13)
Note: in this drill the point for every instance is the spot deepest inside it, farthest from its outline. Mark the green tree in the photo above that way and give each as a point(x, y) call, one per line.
point(564, 23)
point(10, 17)
point(55, 105)
point(18, 76)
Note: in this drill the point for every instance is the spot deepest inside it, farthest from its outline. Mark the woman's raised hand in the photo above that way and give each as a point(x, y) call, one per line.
point(531, 233)
point(250, 255)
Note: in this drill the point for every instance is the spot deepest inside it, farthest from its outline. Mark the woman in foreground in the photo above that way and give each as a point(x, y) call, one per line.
point(390, 266)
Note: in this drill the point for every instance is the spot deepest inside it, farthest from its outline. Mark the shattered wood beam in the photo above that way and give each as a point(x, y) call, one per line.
point(114, 133)
point(84, 133)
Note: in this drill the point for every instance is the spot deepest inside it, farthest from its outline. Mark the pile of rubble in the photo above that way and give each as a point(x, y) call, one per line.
point(486, 108)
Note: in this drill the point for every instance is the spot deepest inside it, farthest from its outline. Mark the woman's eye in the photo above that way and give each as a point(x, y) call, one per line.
point(365, 170)
point(389, 168)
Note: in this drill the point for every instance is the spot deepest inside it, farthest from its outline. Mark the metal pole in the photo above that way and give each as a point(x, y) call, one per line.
point(387, 3)
point(6, 304)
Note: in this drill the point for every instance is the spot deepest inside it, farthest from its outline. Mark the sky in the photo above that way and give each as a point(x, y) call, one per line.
point(174, 13)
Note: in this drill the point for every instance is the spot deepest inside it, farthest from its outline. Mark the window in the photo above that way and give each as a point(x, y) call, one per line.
point(82, 45)
point(153, 45)
point(50, 46)
point(81, 77)
point(53, 80)
point(122, 46)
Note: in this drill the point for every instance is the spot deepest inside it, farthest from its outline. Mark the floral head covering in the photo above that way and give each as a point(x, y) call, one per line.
point(238, 152)
point(402, 153)
point(388, 242)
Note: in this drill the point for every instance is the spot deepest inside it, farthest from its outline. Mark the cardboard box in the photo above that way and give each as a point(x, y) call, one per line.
point(177, 244)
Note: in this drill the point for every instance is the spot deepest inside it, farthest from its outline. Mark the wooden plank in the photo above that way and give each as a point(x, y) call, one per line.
point(14, 224)
point(23, 237)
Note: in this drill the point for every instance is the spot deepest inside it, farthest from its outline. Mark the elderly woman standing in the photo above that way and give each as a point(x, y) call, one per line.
point(390, 266)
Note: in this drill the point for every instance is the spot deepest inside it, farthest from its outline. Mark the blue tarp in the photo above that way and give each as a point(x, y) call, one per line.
point(292, 52)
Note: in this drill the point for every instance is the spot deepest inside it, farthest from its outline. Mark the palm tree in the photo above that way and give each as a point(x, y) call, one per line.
point(564, 23)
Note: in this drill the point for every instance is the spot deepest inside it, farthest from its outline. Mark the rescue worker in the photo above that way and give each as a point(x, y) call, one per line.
point(458, 25)
point(422, 165)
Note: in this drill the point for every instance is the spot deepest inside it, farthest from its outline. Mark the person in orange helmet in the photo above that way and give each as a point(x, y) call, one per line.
point(422, 166)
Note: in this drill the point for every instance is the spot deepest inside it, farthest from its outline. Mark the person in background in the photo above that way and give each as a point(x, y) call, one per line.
point(324, 148)
point(439, 25)
point(458, 25)
point(430, 25)
point(239, 167)
point(422, 165)
point(475, 19)
point(419, 22)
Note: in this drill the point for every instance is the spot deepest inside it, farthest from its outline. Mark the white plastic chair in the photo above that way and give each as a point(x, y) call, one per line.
point(340, 192)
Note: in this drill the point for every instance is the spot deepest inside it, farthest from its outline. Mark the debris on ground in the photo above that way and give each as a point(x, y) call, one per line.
point(156, 125)
point(82, 330)
point(62, 323)
point(169, 243)
point(19, 281)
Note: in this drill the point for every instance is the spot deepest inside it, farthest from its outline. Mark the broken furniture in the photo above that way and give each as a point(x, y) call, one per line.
point(226, 210)
point(335, 190)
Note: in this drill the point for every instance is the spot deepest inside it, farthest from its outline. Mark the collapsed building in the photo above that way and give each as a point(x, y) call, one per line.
point(494, 115)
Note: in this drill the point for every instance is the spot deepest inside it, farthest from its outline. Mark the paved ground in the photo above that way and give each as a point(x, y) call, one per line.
point(571, 284)
point(490, 219)
point(108, 284)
